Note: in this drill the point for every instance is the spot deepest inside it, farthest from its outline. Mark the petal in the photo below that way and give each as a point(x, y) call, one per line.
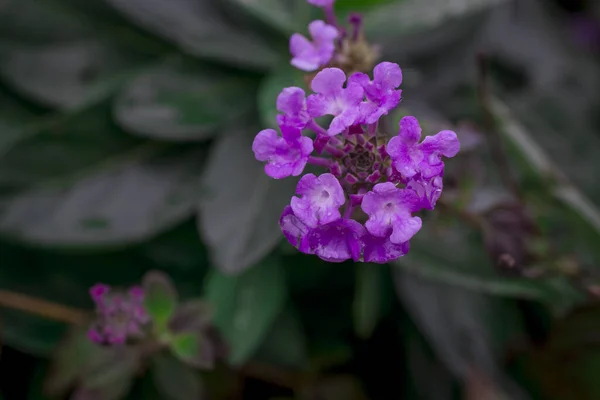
point(279, 171)
point(360, 79)
point(291, 100)
point(444, 142)
point(322, 32)
point(290, 134)
point(328, 82)
point(334, 188)
point(300, 45)
point(405, 160)
point(354, 94)
point(405, 229)
point(388, 75)
point(410, 130)
point(338, 241)
point(98, 291)
point(317, 105)
point(264, 144)
point(293, 229)
point(381, 250)
point(347, 118)
point(321, 3)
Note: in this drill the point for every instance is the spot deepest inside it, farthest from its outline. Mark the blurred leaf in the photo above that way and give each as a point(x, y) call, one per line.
point(335, 387)
point(567, 365)
point(367, 298)
point(179, 100)
point(459, 326)
point(160, 298)
point(247, 305)
point(109, 377)
point(174, 380)
point(414, 19)
point(465, 264)
point(14, 117)
point(129, 200)
point(194, 349)
point(239, 217)
point(197, 28)
point(191, 315)
point(271, 86)
point(70, 360)
point(65, 74)
point(288, 16)
point(285, 344)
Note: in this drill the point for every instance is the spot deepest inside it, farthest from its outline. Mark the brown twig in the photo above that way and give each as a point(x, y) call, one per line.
point(496, 146)
point(43, 308)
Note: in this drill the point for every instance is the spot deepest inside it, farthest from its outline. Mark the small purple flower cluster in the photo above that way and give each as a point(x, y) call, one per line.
point(119, 315)
point(380, 184)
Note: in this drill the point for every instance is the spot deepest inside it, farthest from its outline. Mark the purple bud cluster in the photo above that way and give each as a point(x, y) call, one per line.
point(362, 208)
point(119, 315)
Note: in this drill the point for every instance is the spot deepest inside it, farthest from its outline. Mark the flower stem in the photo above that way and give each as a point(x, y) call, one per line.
point(348, 211)
point(372, 129)
point(334, 151)
point(320, 161)
point(330, 15)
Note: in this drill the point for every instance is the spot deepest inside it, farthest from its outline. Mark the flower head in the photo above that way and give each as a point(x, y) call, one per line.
point(362, 209)
point(411, 157)
point(120, 315)
point(381, 92)
point(332, 98)
point(285, 156)
point(310, 56)
point(390, 212)
point(321, 199)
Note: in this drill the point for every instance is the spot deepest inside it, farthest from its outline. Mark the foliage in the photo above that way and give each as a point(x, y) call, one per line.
point(125, 158)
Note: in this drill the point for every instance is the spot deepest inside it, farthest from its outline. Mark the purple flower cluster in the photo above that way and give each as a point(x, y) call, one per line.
point(120, 315)
point(363, 207)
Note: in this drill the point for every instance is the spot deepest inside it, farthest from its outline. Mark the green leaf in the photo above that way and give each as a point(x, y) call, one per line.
point(174, 380)
point(14, 116)
point(240, 233)
point(246, 306)
point(271, 86)
point(285, 344)
point(367, 298)
point(194, 349)
point(197, 28)
point(160, 298)
point(180, 100)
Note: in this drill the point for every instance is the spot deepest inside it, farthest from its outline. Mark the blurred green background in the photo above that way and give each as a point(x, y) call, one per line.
point(125, 146)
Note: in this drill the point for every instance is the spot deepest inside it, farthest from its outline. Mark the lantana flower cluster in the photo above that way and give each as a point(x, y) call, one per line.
point(120, 316)
point(363, 207)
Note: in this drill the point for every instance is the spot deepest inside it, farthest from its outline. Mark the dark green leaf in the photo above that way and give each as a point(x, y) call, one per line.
point(271, 86)
point(194, 349)
point(180, 100)
point(367, 298)
point(239, 218)
point(14, 117)
point(160, 298)
point(174, 380)
point(247, 305)
point(132, 199)
point(285, 344)
point(197, 28)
